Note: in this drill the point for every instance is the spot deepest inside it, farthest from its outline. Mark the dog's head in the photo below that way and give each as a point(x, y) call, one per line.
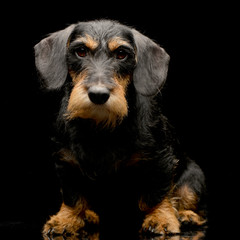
point(102, 58)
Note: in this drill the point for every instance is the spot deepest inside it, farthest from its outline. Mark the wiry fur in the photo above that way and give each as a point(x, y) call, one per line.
point(118, 160)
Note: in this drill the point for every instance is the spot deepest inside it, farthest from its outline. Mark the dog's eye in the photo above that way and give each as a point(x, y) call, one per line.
point(121, 54)
point(81, 52)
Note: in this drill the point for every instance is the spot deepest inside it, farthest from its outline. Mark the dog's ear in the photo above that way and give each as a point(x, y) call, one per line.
point(152, 65)
point(50, 58)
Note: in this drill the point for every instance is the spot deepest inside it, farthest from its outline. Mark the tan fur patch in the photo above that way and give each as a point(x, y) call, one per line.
point(109, 114)
point(180, 206)
point(78, 77)
point(71, 219)
point(185, 202)
point(187, 199)
point(162, 219)
point(191, 217)
point(116, 42)
point(67, 156)
point(88, 41)
point(123, 81)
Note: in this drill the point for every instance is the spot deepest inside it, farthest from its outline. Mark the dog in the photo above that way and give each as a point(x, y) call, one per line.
point(117, 157)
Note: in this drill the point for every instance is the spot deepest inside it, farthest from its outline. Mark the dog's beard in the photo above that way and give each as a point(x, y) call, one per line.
point(108, 114)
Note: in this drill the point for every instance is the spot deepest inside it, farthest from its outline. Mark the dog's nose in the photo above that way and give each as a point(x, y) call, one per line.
point(98, 94)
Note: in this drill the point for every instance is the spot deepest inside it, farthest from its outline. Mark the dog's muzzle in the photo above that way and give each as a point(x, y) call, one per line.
point(98, 94)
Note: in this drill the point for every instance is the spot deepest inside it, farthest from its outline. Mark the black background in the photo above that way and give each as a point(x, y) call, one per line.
point(199, 97)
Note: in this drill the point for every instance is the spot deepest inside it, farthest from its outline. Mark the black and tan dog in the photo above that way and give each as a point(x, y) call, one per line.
point(118, 160)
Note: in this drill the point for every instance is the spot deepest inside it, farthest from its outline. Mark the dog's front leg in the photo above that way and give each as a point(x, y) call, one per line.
point(70, 220)
point(75, 212)
point(160, 219)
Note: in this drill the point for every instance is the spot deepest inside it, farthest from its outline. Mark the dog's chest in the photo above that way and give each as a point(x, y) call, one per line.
point(103, 152)
point(119, 189)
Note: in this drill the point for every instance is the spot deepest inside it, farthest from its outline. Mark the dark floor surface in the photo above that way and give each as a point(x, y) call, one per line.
point(21, 230)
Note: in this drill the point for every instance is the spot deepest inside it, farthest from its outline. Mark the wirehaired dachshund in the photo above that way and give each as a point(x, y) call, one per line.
point(118, 160)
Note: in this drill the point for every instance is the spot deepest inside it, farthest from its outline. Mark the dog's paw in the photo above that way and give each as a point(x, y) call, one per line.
point(69, 224)
point(63, 225)
point(91, 218)
point(159, 226)
point(188, 217)
point(161, 223)
point(161, 220)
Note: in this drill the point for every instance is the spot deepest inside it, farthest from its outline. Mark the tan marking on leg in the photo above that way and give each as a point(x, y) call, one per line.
point(162, 219)
point(70, 219)
point(185, 200)
point(191, 217)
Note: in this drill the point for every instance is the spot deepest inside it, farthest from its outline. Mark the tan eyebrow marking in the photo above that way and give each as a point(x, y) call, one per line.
point(88, 41)
point(116, 42)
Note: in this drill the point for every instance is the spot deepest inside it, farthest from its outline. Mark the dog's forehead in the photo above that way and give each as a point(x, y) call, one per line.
point(102, 31)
